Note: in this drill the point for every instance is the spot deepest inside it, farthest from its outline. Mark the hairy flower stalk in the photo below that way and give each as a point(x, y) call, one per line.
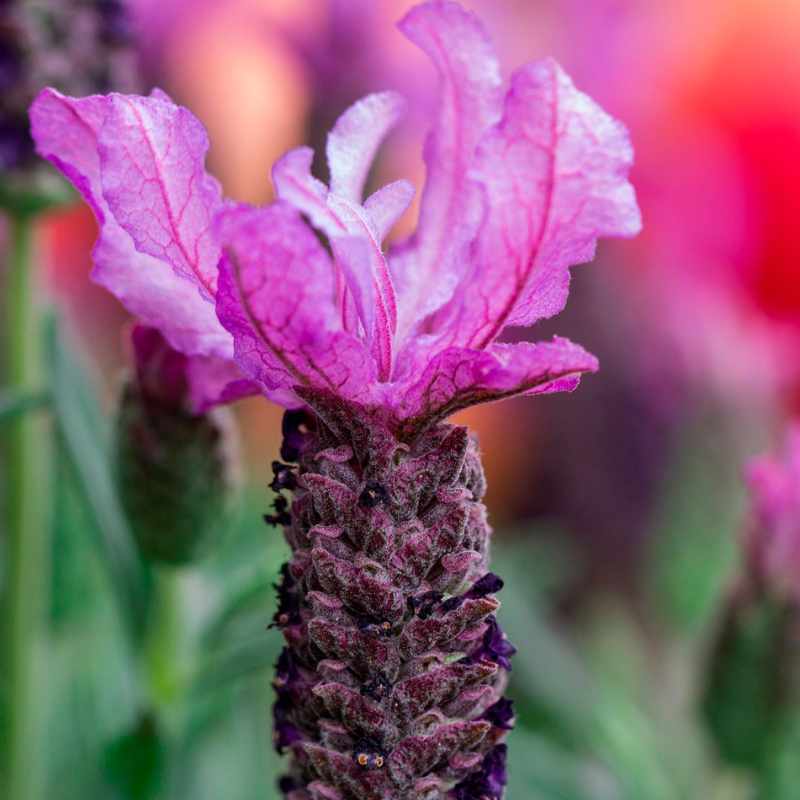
point(391, 682)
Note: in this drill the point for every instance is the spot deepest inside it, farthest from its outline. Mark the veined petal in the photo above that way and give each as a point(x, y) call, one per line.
point(458, 377)
point(428, 267)
point(276, 297)
point(67, 132)
point(383, 317)
point(152, 157)
point(355, 139)
point(555, 175)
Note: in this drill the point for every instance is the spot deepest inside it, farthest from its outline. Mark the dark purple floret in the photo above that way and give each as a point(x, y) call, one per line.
point(282, 516)
point(288, 612)
point(286, 784)
point(489, 781)
point(374, 625)
point(378, 687)
point(500, 714)
point(422, 605)
point(286, 671)
point(369, 755)
point(451, 604)
point(294, 437)
point(284, 477)
point(488, 584)
point(495, 647)
point(284, 732)
point(374, 494)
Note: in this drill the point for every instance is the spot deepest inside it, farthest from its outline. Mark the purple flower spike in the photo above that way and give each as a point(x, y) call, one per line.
point(391, 681)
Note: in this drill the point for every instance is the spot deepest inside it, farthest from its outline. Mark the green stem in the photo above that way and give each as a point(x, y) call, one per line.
point(26, 515)
point(163, 649)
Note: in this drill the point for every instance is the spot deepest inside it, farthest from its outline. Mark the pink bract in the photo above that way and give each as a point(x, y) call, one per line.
point(518, 189)
point(773, 540)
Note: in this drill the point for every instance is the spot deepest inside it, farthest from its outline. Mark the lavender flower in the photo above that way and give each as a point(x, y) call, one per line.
point(391, 684)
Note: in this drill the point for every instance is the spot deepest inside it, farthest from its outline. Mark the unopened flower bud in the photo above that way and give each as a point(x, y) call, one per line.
point(754, 674)
point(174, 468)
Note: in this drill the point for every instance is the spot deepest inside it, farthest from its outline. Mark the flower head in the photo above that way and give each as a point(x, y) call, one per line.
point(518, 189)
point(773, 540)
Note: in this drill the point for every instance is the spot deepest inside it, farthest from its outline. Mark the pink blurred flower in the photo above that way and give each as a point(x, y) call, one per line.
point(517, 190)
point(773, 540)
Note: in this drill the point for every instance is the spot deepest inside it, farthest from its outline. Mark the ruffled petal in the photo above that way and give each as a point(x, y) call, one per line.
point(428, 267)
point(554, 172)
point(457, 378)
point(276, 297)
point(67, 132)
point(355, 139)
point(152, 157)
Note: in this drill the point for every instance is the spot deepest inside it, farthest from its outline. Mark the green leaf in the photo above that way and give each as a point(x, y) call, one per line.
point(78, 415)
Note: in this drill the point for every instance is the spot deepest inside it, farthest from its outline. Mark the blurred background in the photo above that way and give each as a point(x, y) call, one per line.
point(618, 510)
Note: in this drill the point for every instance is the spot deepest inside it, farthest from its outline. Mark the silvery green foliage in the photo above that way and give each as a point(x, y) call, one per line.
point(391, 681)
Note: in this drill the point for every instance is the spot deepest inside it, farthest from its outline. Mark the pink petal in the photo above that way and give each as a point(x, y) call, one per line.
point(276, 297)
point(365, 281)
point(152, 156)
point(457, 378)
point(213, 381)
point(355, 139)
point(380, 322)
point(67, 132)
point(428, 268)
point(294, 183)
point(555, 175)
point(388, 204)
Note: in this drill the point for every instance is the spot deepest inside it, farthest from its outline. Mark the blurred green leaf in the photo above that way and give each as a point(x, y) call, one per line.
point(78, 416)
point(134, 764)
point(782, 773)
point(13, 403)
point(746, 694)
point(548, 681)
point(696, 530)
point(540, 770)
point(643, 721)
